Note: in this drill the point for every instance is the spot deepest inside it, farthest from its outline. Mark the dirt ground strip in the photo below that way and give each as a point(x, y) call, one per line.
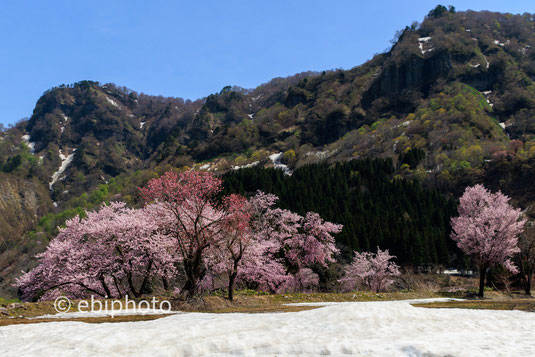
point(245, 302)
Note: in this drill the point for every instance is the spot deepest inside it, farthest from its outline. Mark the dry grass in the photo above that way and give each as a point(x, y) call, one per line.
point(510, 304)
point(244, 302)
point(412, 286)
point(276, 302)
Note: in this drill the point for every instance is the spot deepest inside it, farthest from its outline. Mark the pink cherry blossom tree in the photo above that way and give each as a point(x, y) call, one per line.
point(487, 229)
point(111, 252)
point(274, 251)
point(287, 245)
point(372, 271)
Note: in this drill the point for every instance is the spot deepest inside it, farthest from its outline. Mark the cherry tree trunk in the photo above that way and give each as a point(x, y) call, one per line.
point(193, 270)
point(231, 280)
point(482, 275)
point(527, 284)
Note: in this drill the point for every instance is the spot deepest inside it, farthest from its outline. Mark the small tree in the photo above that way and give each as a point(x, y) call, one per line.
point(526, 243)
point(371, 271)
point(487, 229)
point(226, 255)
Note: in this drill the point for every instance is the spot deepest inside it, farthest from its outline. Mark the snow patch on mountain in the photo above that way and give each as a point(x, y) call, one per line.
point(31, 145)
point(65, 162)
point(112, 102)
point(487, 94)
point(252, 164)
point(276, 160)
point(425, 45)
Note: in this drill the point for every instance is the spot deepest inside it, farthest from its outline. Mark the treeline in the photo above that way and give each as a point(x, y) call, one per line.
point(375, 209)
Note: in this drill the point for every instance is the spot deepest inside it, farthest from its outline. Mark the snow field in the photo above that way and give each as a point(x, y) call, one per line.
point(393, 328)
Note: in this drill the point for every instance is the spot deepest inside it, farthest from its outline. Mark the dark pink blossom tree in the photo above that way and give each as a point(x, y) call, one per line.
point(186, 208)
point(487, 229)
point(372, 271)
point(226, 254)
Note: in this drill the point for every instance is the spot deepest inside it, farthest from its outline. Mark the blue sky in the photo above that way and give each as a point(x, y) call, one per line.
point(191, 49)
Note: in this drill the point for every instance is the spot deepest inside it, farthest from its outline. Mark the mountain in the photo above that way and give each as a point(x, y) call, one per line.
point(452, 103)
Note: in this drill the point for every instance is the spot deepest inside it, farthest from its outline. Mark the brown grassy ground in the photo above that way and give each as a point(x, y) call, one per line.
point(512, 304)
point(244, 303)
point(411, 286)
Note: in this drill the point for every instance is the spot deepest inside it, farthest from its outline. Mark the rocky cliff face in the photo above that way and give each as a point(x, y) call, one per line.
point(22, 202)
point(414, 72)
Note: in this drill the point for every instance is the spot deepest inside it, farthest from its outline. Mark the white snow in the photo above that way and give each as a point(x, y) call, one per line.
point(65, 161)
point(141, 124)
point(254, 163)
point(411, 301)
point(112, 102)
point(276, 160)
point(393, 328)
point(424, 41)
point(456, 271)
point(487, 93)
point(26, 139)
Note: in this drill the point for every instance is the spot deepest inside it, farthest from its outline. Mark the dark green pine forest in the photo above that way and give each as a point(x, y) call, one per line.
point(375, 208)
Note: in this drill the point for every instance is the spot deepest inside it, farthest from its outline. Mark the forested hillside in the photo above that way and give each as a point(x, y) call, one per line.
point(375, 209)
